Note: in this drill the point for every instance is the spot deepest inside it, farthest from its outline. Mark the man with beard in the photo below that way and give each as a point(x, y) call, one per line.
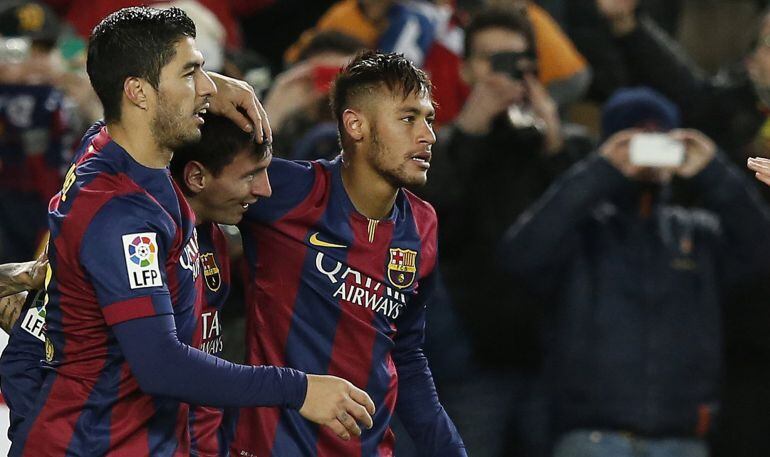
point(124, 279)
point(635, 326)
point(357, 267)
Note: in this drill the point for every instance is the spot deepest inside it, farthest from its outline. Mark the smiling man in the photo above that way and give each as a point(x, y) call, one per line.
point(124, 282)
point(342, 265)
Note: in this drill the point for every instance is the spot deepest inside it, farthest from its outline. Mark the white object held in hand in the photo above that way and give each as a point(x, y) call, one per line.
point(655, 150)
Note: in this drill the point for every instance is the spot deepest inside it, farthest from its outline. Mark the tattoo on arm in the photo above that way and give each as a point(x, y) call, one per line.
point(10, 309)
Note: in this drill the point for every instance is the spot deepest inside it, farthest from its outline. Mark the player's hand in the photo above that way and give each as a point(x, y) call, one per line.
point(34, 277)
point(699, 151)
point(234, 97)
point(761, 168)
point(338, 404)
point(489, 97)
point(619, 13)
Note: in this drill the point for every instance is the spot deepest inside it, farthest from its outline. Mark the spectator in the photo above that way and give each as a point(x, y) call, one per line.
point(485, 171)
point(635, 347)
point(35, 139)
point(298, 101)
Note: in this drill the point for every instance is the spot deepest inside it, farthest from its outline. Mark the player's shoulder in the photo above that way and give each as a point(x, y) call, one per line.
point(421, 209)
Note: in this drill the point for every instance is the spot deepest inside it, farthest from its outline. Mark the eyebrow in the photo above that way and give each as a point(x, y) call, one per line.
point(192, 65)
point(413, 110)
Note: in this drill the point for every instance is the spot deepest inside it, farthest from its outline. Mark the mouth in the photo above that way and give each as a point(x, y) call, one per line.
point(422, 159)
point(200, 112)
point(245, 205)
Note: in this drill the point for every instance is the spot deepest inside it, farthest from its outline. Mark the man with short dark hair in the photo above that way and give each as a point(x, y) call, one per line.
point(358, 266)
point(125, 268)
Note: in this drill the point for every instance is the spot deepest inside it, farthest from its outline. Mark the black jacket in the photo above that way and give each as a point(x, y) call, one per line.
point(636, 332)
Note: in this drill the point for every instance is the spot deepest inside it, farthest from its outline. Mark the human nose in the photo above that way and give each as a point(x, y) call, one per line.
point(261, 187)
point(205, 86)
point(426, 133)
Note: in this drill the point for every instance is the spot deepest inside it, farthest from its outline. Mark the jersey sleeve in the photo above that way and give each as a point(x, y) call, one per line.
point(418, 406)
point(124, 256)
point(291, 182)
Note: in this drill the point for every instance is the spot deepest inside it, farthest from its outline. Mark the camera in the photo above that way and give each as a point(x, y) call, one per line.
point(514, 64)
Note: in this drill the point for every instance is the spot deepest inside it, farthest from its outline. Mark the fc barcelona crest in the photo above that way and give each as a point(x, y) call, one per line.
point(402, 267)
point(211, 271)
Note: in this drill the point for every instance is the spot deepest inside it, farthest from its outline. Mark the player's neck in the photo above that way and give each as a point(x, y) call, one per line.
point(140, 144)
point(369, 192)
point(197, 209)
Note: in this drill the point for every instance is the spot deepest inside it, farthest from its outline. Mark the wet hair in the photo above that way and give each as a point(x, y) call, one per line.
point(512, 19)
point(221, 140)
point(370, 70)
point(133, 42)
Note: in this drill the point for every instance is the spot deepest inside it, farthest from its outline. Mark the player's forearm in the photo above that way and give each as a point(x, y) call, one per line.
point(418, 407)
point(10, 309)
point(163, 366)
point(15, 277)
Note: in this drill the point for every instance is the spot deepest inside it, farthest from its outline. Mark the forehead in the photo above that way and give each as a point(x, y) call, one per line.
point(498, 39)
point(395, 101)
point(185, 53)
point(246, 160)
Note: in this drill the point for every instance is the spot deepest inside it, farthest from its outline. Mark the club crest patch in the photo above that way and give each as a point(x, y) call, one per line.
point(211, 271)
point(402, 267)
point(141, 254)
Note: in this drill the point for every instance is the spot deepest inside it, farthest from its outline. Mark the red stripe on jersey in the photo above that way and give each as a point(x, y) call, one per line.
point(257, 426)
point(124, 435)
point(354, 339)
point(126, 310)
point(425, 219)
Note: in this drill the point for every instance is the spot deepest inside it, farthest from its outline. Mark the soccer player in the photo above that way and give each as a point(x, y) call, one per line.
point(124, 258)
point(220, 176)
point(357, 266)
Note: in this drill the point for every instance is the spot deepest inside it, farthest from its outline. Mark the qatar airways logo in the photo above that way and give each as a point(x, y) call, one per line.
point(360, 289)
point(190, 258)
point(211, 333)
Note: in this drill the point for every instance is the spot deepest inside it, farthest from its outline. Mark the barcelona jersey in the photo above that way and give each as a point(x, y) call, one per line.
point(211, 429)
point(122, 247)
point(333, 292)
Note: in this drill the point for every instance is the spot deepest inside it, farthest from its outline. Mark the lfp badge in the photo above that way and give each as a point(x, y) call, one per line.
point(141, 254)
point(402, 267)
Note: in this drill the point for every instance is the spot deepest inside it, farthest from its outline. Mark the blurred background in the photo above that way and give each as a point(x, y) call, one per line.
point(587, 308)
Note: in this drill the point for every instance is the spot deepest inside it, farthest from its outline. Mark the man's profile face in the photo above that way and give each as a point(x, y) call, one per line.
point(400, 137)
point(486, 42)
point(226, 197)
point(183, 91)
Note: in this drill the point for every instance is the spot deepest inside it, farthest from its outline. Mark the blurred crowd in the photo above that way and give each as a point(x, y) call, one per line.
point(593, 304)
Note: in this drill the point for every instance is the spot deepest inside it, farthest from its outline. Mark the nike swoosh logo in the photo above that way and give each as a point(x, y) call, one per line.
point(316, 242)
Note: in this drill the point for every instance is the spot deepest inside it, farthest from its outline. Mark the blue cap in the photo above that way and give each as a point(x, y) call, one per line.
point(638, 107)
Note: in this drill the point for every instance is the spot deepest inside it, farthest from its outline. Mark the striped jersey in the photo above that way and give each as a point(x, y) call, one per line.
point(122, 247)
point(333, 292)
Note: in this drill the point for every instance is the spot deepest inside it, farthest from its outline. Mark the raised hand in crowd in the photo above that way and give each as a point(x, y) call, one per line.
point(492, 95)
point(621, 14)
point(699, 151)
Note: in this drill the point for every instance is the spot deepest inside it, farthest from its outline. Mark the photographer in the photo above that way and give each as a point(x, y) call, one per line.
point(635, 331)
point(498, 157)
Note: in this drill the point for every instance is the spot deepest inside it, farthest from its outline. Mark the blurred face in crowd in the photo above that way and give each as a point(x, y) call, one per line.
point(183, 93)
point(227, 195)
point(490, 41)
point(758, 63)
point(400, 137)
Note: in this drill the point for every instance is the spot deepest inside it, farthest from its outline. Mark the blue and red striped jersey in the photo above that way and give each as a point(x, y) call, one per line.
point(122, 247)
point(333, 292)
point(20, 373)
point(211, 429)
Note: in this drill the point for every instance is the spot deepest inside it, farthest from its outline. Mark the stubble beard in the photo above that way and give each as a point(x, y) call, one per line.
point(169, 129)
point(396, 177)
